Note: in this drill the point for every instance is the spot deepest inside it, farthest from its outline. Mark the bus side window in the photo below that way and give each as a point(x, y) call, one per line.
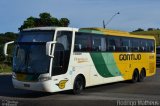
point(82, 42)
point(150, 46)
point(118, 42)
point(112, 44)
point(77, 47)
point(103, 44)
point(115, 44)
point(125, 45)
point(96, 43)
point(143, 45)
point(65, 38)
point(135, 45)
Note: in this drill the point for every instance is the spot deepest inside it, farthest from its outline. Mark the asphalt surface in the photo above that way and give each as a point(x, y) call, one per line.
point(116, 94)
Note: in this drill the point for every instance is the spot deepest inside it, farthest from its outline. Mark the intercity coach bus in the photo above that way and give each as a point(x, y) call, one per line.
point(53, 59)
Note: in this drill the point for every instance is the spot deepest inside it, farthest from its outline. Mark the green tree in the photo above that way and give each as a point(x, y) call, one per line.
point(6, 37)
point(2, 57)
point(29, 23)
point(45, 19)
point(139, 29)
point(64, 22)
point(55, 21)
point(45, 16)
point(151, 29)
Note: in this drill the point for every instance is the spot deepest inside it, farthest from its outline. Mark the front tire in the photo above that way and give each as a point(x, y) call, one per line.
point(78, 85)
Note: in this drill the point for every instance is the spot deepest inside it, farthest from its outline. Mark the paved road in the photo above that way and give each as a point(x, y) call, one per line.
point(109, 94)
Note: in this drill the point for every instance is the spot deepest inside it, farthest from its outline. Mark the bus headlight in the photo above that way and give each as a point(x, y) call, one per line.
point(44, 78)
point(14, 75)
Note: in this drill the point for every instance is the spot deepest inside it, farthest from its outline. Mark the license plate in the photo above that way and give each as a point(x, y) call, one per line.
point(26, 85)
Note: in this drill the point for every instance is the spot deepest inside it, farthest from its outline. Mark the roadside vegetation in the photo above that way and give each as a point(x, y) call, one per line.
point(150, 31)
point(4, 68)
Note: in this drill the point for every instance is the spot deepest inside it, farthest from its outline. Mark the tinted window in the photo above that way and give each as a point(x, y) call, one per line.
point(143, 45)
point(98, 43)
point(82, 42)
point(135, 45)
point(116, 44)
point(65, 38)
point(37, 36)
point(150, 46)
point(111, 44)
point(125, 44)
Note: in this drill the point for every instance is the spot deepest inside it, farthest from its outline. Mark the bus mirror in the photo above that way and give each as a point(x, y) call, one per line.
point(49, 46)
point(6, 47)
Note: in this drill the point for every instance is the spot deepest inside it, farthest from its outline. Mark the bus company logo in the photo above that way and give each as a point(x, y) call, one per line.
point(124, 57)
point(62, 84)
point(81, 60)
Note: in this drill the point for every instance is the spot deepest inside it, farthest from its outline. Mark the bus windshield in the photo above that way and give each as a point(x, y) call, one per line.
point(30, 53)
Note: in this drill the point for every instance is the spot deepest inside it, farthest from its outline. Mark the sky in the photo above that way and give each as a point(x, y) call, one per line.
point(134, 14)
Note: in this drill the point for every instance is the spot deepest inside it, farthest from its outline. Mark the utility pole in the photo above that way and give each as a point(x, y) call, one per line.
point(104, 25)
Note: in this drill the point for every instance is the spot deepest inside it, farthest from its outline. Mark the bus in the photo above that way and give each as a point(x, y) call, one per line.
point(53, 59)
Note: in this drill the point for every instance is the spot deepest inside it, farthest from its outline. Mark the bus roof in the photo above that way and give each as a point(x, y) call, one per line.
point(113, 32)
point(93, 30)
point(50, 28)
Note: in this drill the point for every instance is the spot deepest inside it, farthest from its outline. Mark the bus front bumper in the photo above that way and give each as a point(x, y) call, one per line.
point(45, 86)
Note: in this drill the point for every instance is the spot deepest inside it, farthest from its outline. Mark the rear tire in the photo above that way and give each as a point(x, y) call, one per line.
point(142, 76)
point(135, 76)
point(78, 85)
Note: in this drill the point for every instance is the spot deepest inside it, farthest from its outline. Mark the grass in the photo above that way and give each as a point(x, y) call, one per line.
point(5, 68)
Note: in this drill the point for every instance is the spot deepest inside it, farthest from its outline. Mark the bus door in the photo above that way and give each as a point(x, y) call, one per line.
point(61, 58)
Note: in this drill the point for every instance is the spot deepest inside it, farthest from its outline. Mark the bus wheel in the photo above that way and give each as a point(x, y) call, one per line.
point(135, 76)
point(142, 75)
point(78, 85)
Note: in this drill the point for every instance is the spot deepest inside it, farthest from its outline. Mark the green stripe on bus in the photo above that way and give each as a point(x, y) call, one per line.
point(111, 64)
point(100, 65)
point(105, 64)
